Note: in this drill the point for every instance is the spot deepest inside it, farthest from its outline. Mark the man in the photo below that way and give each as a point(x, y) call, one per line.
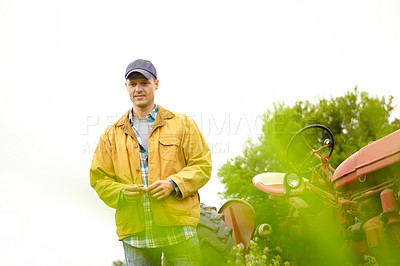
point(149, 166)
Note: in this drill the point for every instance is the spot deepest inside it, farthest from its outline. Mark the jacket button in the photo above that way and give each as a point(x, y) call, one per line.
point(135, 146)
point(137, 170)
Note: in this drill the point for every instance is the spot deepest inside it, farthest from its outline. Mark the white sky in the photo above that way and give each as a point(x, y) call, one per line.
point(223, 62)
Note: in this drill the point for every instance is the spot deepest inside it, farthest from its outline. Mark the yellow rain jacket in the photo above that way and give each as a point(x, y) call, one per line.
point(176, 150)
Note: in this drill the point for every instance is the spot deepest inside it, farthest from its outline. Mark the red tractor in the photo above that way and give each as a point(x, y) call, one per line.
point(349, 213)
point(326, 216)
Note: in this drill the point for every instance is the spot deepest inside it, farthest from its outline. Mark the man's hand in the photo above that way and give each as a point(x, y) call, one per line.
point(160, 189)
point(133, 193)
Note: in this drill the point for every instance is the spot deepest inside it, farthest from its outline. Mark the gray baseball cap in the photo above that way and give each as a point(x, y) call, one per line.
point(143, 67)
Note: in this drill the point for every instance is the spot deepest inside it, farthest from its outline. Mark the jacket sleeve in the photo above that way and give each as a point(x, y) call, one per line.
point(198, 167)
point(102, 174)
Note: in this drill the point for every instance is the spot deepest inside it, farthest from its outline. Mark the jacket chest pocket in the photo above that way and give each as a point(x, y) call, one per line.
point(169, 148)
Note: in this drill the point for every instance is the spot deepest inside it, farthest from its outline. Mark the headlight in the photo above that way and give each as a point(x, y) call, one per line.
point(292, 180)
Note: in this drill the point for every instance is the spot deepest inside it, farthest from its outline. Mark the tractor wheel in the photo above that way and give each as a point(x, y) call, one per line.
point(215, 237)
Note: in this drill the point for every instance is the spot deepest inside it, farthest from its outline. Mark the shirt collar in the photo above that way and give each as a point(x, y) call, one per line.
point(152, 115)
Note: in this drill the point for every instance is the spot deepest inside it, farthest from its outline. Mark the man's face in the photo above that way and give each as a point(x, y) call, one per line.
point(141, 90)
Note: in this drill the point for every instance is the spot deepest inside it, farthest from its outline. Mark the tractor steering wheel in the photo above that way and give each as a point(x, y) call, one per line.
point(315, 140)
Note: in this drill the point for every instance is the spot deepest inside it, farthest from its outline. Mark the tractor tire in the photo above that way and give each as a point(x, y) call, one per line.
point(215, 237)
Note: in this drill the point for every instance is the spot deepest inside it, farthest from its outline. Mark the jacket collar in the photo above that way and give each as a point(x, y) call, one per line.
point(162, 116)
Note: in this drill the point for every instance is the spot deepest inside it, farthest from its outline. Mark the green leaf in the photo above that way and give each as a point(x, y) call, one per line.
point(133, 181)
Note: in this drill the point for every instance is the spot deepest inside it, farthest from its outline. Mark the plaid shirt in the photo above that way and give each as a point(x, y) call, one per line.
point(154, 236)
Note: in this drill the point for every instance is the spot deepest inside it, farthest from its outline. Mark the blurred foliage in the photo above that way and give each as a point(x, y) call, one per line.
point(355, 120)
point(263, 255)
point(257, 255)
point(118, 263)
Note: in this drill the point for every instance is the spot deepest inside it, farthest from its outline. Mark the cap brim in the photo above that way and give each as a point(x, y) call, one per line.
point(145, 73)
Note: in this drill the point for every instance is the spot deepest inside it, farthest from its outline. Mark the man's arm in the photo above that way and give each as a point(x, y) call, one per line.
point(197, 171)
point(102, 174)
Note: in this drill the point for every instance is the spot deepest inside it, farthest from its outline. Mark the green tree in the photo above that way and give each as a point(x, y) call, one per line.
point(355, 119)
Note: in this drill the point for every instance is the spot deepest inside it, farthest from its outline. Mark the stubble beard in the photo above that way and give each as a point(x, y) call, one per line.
point(142, 102)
